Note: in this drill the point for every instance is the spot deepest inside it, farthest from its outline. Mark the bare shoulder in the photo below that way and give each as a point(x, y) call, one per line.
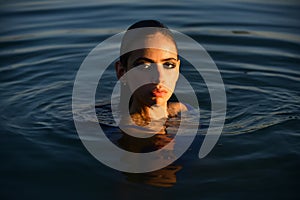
point(174, 108)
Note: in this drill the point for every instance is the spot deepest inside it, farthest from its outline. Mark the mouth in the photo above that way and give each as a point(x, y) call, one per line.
point(159, 92)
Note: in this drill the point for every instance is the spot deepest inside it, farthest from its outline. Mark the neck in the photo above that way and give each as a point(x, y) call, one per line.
point(146, 112)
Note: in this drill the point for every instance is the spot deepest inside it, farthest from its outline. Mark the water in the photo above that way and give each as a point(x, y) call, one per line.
point(255, 44)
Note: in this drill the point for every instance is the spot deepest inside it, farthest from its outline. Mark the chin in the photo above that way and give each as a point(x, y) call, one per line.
point(160, 101)
point(150, 100)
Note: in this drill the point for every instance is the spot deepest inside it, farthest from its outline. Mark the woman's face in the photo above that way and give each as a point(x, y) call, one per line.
point(153, 71)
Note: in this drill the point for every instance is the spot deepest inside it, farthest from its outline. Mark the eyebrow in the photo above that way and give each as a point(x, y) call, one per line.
point(152, 61)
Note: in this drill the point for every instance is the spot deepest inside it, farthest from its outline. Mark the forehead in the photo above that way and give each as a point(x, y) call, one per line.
point(159, 41)
point(155, 40)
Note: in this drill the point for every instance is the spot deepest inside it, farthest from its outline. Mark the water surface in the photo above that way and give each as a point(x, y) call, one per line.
point(255, 45)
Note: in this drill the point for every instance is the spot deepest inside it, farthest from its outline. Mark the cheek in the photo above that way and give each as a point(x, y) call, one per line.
point(136, 79)
point(172, 78)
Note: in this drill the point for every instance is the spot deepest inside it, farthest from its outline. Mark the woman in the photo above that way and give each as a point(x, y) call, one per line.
point(150, 73)
point(148, 69)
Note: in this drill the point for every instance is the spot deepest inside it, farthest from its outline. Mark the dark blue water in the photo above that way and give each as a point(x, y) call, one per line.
point(256, 46)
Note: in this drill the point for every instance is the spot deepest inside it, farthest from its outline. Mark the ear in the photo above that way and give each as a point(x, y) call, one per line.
point(120, 70)
point(177, 66)
point(178, 63)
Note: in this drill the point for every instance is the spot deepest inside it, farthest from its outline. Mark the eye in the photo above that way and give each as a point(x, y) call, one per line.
point(146, 65)
point(169, 65)
point(143, 66)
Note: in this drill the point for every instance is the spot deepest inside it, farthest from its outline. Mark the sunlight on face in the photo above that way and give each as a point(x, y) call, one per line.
point(159, 67)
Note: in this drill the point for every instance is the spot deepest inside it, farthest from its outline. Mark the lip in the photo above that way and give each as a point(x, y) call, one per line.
point(159, 92)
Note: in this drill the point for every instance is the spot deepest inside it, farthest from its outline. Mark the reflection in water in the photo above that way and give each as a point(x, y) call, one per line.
point(165, 177)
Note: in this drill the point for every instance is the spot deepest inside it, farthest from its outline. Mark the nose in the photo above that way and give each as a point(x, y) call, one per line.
point(158, 74)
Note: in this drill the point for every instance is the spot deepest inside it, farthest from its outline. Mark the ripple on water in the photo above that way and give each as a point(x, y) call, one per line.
point(254, 44)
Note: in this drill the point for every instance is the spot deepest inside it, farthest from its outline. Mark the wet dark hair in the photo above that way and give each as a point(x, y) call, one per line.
point(143, 24)
point(147, 23)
